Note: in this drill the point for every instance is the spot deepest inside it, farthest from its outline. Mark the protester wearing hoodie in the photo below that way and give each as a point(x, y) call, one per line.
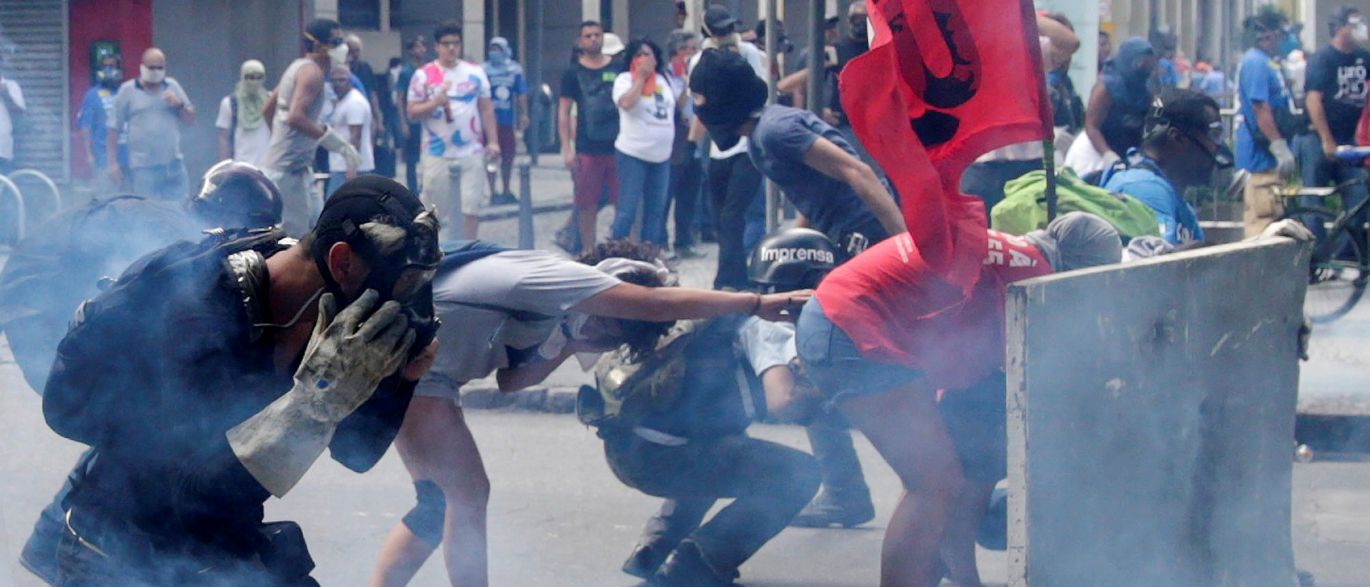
point(243, 133)
point(1118, 104)
point(97, 107)
point(509, 92)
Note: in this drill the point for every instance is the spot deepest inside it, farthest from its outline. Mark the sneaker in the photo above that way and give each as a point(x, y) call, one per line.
point(40, 552)
point(686, 567)
point(503, 199)
point(825, 511)
point(644, 561)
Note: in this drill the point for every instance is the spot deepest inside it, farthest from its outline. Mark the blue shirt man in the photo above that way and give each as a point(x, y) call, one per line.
point(1260, 81)
point(507, 82)
point(1145, 181)
point(96, 107)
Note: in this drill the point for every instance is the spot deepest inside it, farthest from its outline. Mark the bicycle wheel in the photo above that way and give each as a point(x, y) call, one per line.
point(1337, 271)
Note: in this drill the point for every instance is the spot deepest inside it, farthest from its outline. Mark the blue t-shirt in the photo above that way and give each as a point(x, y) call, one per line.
point(96, 107)
point(778, 144)
point(1259, 80)
point(506, 84)
point(1177, 220)
point(1166, 74)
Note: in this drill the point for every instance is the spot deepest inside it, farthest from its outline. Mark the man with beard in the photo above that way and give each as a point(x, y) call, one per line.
point(296, 106)
point(208, 378)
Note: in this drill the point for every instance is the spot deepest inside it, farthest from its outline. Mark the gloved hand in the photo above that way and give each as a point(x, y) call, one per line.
point(346, 359)
point(1284, 158)
point(1288, 228)
point(335, 143)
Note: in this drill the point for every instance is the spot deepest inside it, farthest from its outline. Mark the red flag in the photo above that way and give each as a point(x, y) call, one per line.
point(944, 82)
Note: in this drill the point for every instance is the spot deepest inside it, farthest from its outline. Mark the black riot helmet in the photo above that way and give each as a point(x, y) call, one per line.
point(386, 225)
point(793, 258)
point(237, 195)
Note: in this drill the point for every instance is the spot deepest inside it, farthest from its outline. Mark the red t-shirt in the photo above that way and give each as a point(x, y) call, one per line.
point(897, 310)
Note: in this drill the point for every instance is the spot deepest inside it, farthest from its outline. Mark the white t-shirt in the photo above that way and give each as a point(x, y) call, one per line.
point(646, 130)
point(248, 145)
point(479, 305)
point(6, 120)
point(766, 344)
point(757, 60)
point(462, 136)
point(351, 110)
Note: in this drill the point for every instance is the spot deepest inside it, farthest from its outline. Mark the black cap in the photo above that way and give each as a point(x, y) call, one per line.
point(372, 198)
point(718, 21)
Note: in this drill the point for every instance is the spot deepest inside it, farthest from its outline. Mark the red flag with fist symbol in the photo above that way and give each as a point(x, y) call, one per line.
point(944, 82)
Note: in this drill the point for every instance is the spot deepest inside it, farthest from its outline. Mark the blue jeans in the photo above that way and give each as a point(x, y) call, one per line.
point(162, 182)
point(641, 185)
point(834, 363)
point(755, 229)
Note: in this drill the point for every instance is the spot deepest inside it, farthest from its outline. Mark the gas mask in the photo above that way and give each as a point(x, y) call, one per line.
point(109, 76)
point(152, 76)
point(1359, 31)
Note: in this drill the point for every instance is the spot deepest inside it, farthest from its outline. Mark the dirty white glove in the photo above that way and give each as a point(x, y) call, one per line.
point(1288, 228)
point(335, 143)
point(346, 359)
point(1284, 158)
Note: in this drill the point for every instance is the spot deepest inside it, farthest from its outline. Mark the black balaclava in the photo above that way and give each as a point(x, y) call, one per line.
point(733, 94)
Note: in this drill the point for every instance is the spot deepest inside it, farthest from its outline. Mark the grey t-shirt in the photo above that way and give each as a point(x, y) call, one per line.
point(778, 144)
point(766, 344)
point(154, 127)
point(497, 306)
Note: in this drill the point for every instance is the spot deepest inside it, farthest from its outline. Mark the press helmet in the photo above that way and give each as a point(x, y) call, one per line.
point(235, 194)
point(793, 258)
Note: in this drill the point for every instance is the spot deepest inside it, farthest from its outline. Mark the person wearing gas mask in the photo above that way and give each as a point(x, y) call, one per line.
point(69, 256)
point(92, 125)
point(1336, 92)
point(1267, 120)
point(916, 314)
point(1182, 146)
point(509, 94)
point(296, 111)
point(152, 107)
point(836, 193)
point(243, 132)
point(213, 374)
point(519, 314)
point(692, 448)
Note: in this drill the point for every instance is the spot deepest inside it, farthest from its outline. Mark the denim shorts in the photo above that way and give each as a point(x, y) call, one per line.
point(976, 421)
point(836, 366)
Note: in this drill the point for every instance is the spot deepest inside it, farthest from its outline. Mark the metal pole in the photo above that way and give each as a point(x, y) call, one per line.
point(772, 194)
point(8, 186)
point(533, 66)
point(817, 56)
point(525, 205)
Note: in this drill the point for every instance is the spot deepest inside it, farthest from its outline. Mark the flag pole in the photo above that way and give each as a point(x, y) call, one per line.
point(1049, 165)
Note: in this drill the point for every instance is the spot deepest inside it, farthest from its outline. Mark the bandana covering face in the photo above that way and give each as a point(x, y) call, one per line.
point(251, 95)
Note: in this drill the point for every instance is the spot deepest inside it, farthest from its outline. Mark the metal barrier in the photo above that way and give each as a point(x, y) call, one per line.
point(525, 205)
point(46, 181)
point(19, 213)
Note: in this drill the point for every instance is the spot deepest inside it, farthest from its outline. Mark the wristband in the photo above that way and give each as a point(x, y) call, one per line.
point(756, 304)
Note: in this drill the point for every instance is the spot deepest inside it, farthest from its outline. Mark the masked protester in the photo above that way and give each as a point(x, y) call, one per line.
point(92, 124)
point(1120, 99)
point(1335, 98)
point(519, 315)
point(692, 448)
point(886, 330)
point(1262, 146)
point(509, 93)
point(1181, 148)
point(243, 132)
point(153, 108)
point(64, 262)
point(213, 374)
point(296, 105)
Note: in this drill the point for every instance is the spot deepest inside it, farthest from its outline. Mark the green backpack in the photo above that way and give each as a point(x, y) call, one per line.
point(1024, 208)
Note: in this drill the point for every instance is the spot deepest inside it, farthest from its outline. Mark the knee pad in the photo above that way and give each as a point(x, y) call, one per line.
point(427, 517)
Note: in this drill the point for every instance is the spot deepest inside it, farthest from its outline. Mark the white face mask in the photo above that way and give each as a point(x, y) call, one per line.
point(252, 85)
point(1360, 32)
point(151, 76)
point(338, 55)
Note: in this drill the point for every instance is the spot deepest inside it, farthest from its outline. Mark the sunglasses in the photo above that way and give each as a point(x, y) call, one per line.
point(254, 76)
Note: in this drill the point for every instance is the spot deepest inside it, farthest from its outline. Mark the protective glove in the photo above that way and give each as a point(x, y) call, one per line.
point(1288, 228)
point(1284, 158)
point(335, 143)
point(347, 357)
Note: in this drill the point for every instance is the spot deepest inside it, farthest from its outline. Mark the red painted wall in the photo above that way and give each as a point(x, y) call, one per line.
point(127, 21)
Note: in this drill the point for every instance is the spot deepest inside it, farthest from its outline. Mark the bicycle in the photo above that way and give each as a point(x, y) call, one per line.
point(1340, 264)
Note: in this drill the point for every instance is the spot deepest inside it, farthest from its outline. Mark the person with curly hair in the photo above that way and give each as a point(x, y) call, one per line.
point(520, 314)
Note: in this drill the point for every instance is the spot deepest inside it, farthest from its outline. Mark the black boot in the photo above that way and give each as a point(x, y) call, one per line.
point(828, 510)
point(687, 567)
point(644, 561)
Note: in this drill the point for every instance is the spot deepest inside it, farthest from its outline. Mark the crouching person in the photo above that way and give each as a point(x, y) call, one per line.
point(212, 375)
point(674, 422)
